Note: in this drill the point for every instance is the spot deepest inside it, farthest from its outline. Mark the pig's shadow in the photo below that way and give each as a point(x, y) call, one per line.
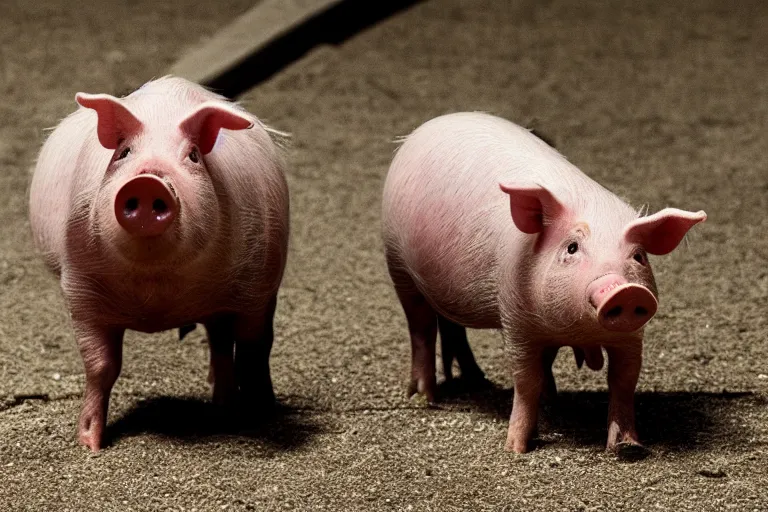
point(196, 420)
point(675, 421)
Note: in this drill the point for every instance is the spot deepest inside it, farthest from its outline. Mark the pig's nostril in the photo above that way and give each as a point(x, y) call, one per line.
point(641, 311)
point(131, 205)
point(159, 206)
point(614, 312)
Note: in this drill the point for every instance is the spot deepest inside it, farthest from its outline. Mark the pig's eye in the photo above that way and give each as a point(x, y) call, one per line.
point(194, 156)
point(638, 257)
point(573, 248)
point(124, 153)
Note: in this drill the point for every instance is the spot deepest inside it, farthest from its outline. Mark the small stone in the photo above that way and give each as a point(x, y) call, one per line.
point(56, 376)
point(762, 376)
point(712, 473)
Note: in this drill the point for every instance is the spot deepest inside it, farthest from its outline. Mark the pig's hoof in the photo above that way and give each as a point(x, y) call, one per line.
point(423, 387)
point(90, 439)
point(224, 393)
point(225, 400)
point(519, 445)
point(91, 430)
point(262, 400)
point(628, 451)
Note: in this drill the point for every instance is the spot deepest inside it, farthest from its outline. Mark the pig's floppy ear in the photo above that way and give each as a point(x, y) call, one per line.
point(115, 120)
point(532, 208)
point(204, 123)
point(661, 232)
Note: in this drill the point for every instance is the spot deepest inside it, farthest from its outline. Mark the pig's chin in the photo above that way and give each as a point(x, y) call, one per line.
point(148, 252)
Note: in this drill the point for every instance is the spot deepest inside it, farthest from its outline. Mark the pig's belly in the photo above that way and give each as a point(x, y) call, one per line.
point(157, 322)
point(460, 286)
point(470, 306)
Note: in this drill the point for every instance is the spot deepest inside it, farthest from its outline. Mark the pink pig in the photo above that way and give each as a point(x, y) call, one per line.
point(569, 268)
point(165, 208)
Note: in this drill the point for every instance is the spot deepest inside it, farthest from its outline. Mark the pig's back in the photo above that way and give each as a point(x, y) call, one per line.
point(445, 217)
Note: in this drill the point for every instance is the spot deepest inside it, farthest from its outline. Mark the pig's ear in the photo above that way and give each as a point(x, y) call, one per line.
point(203, 125)
point(115, 123)
point(661, 232)
point(533, 208)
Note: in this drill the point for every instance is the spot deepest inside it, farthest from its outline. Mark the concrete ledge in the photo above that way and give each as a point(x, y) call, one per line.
point(252, 31)
point(274, 33)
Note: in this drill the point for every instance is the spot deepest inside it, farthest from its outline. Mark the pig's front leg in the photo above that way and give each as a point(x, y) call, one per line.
point(529, 383)
point(623, 372)
point(102, 351)
point(254, 335)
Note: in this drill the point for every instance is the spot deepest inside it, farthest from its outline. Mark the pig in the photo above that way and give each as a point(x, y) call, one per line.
point(158, 210)
point(485, 226)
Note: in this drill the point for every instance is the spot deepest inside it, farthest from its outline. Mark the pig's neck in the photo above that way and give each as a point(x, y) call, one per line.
point(143, 298)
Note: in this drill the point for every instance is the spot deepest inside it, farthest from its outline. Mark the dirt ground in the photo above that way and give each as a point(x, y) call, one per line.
point(666, 103)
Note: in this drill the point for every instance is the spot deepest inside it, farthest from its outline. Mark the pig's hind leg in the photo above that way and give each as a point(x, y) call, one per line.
point(422, 327)
point(221, 374)
point(254, 336)
point(549, 393)
point(455, 345)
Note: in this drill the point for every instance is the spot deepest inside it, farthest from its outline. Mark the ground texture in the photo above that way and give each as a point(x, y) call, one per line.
point(664, 103)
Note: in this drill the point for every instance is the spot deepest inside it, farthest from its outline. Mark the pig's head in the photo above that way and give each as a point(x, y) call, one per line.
point(590, 271)
point(157, 201)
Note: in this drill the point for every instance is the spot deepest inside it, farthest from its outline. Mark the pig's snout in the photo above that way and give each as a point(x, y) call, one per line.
point(145, 206)
point(621, 306)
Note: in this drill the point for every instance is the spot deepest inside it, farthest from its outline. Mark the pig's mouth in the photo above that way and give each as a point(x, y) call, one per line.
point(621, 306)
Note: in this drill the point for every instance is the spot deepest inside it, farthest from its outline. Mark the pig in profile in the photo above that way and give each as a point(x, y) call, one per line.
point(161, 209)
point(486, 226)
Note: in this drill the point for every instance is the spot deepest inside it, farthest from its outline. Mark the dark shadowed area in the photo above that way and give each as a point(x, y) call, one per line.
point(664, 103)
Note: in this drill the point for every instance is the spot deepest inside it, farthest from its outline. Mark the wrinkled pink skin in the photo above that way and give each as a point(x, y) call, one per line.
point(478, 217)
point(188, 226)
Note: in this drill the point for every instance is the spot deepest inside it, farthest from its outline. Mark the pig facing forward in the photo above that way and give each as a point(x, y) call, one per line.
point(165, 208)
point(486, 226)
